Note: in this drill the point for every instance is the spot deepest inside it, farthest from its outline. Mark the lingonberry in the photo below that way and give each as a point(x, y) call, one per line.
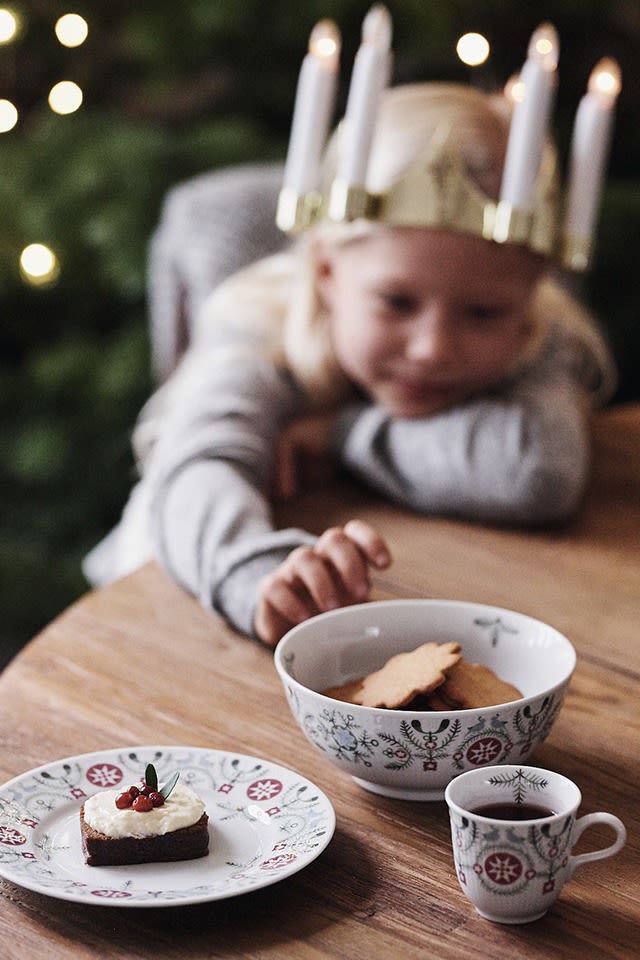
point(156, 798)
point(124, 800)
point(142, 804)
point(134, 791)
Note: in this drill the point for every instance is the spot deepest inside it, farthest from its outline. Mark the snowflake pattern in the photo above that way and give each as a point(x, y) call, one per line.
point(11, 837)
point(291, 820)
point(503, 868)
point(104, 775)
point(264, 789)
point(338, 732)
point(449, 746)
point(507, 858)
point(425, 754)
point(496, 628)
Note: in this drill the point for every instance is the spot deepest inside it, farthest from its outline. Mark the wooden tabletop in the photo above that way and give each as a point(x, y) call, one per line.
point(141, 663)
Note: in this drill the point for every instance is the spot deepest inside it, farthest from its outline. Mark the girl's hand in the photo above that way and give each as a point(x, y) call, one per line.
point(334, 573)
point(303, 454)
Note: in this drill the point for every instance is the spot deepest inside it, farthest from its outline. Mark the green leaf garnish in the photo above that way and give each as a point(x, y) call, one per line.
point(151, 777)
point(169, 785)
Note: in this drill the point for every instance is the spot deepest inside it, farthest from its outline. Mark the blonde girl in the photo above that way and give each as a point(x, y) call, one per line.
point(452, 374)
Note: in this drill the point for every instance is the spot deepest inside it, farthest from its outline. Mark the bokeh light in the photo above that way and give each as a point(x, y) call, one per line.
point(71, 30)
point(9, 24)
point(8, 116)
point(473, 49)
point(514, 89)
point(39, 265)
point(65, 97)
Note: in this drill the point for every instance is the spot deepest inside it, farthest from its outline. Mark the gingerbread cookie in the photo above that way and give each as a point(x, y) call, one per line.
point(402, 678)
point(472, 685)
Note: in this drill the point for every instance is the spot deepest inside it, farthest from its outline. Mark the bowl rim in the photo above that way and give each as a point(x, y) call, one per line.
point(360, 709)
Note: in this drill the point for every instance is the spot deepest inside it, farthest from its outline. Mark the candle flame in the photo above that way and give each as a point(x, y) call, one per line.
point(544, 46)
point(324, 41)
point(605, 80)
point(514, 89)
point(377, 27)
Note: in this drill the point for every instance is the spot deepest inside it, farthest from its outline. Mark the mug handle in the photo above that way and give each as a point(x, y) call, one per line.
point(586, 821)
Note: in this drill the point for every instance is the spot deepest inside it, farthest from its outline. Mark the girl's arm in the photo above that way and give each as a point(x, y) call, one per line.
point(207, 479)
point(210, 514)
point(520, 456)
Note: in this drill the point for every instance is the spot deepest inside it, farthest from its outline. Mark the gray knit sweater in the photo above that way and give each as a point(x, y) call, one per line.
point(519, 455)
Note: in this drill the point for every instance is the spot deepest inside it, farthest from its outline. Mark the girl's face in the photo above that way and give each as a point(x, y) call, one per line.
point(423, 319)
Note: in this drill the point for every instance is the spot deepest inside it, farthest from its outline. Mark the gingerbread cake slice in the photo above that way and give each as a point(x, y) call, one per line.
point(144, 825)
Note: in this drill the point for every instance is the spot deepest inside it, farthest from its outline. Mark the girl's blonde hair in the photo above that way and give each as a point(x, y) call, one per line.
point(276, 298)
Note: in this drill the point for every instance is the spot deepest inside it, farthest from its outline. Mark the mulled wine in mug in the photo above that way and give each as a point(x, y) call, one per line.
point(513, 829)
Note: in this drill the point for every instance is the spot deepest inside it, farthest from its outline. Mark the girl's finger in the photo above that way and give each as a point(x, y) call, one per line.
point(348, 562)
point(311, 571)
point(280, 593)
point(370, 542)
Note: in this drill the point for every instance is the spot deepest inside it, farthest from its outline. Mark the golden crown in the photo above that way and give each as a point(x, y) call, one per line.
point(436, 191)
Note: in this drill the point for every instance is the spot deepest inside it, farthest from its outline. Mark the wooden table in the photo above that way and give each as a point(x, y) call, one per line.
point(140, 662)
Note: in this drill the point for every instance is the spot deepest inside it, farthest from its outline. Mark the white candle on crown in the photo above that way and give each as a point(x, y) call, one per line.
point(369, 78)
point(589, 149)
point(530, 120)
point(313, 110)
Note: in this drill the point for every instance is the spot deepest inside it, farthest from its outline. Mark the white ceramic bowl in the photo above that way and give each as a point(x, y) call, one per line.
point(414, 754)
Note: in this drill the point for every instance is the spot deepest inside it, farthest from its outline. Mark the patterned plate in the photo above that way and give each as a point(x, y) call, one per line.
point(266, 823)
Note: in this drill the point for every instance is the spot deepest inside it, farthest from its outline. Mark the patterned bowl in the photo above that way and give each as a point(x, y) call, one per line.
point(409, 754)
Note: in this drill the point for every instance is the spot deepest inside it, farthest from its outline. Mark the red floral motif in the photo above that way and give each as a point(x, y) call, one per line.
point(282, 860)
point(110, 894)
point(11, 837)
point(503, 868)
point(264, 789)
point(484, 751)
point(104, 775)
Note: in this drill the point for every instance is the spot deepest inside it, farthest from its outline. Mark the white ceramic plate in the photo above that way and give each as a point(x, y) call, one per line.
point(266, 823)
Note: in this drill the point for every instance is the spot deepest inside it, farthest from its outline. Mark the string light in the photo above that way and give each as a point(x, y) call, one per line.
point(39, 265)
point(8, 116)
point(473, 49)
point(71, 30)
point(9, 25)
point(65, 97)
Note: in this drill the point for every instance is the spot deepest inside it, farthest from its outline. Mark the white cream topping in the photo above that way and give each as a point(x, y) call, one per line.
point(182, 808)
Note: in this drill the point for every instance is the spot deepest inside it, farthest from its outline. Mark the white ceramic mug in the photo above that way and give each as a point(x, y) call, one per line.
point(513, 869)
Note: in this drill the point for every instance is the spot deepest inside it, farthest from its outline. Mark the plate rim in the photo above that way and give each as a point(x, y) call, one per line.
point(205, 897)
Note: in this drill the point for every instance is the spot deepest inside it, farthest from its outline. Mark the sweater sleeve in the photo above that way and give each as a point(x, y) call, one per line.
point(209, 472)
point(519, 456)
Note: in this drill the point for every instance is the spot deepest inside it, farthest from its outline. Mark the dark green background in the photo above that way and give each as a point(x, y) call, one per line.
point(172, 90)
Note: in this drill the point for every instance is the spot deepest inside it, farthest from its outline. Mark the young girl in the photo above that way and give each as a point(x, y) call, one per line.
point(448, 372)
